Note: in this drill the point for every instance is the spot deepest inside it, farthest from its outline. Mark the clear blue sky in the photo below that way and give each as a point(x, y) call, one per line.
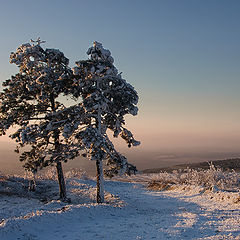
point(183, 57)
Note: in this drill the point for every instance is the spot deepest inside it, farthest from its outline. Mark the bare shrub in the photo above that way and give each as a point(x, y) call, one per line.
point(212, 177)
point(77, 173)
point(50, 174)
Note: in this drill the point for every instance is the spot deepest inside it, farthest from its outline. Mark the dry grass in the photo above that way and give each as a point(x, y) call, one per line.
point(160, 186)
point(209, 178)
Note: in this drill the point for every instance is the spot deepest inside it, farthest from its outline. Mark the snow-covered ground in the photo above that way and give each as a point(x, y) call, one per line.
point(131, 211)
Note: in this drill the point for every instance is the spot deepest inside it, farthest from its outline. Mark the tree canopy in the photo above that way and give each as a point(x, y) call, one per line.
point(50, 132)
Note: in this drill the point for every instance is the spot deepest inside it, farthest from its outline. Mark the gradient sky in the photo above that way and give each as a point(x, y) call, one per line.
point(183, 57)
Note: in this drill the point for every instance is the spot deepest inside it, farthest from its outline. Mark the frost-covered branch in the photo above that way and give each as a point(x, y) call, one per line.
point(107, 98)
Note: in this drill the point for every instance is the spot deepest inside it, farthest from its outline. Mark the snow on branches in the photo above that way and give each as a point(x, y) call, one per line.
point(107, 98)
point(29, 101)
point(56, 132)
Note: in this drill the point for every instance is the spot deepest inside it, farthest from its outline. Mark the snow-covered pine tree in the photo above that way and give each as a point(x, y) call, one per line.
point(30, 103)
point(106, 99)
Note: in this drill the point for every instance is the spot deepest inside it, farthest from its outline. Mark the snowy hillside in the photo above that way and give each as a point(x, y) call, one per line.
point(132, 211)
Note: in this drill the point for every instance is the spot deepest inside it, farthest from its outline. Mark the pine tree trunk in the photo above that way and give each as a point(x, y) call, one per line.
point(61, 182)
point(100, 183)
point(100, 190)
point(32, 182)
point(32, 185)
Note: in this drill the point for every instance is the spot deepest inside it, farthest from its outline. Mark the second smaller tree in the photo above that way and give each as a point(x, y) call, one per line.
point(106, 99)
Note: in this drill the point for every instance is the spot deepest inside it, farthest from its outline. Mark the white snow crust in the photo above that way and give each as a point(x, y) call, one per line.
point(131, 211)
